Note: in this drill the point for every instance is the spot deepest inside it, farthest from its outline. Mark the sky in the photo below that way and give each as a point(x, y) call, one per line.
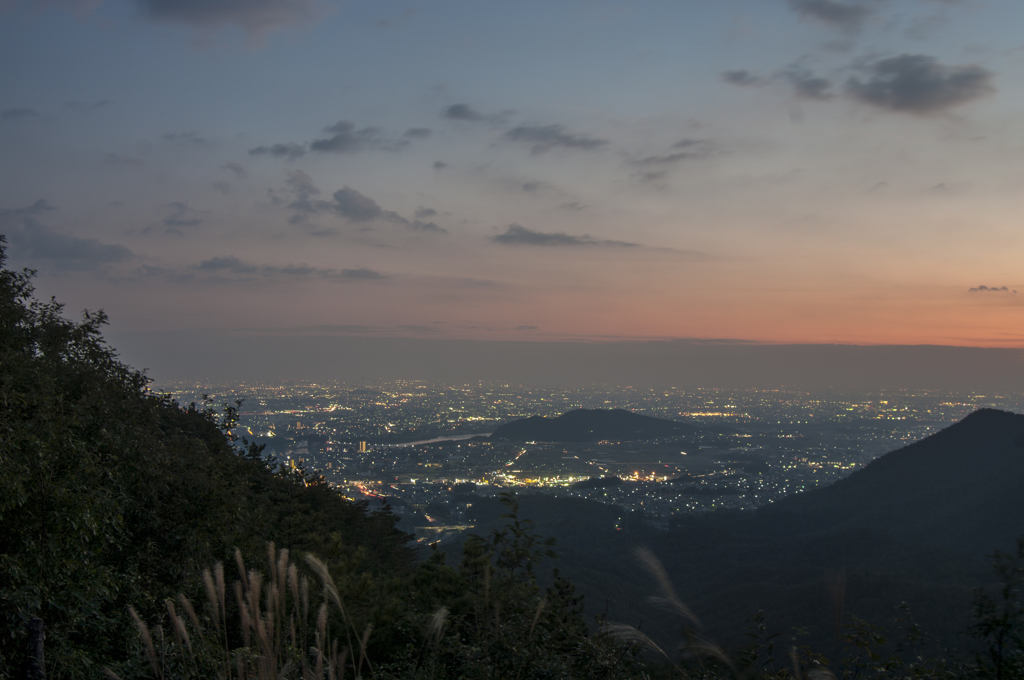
point(767, 172)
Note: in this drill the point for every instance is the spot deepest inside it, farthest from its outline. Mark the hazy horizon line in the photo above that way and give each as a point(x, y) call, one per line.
point(211, 356)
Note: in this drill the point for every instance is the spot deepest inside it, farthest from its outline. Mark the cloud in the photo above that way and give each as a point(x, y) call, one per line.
point(38, 208)
point(255, 17)
point(919, 84)
point(463, 112)
point(231, 267)
point(41, 243)
point(222, 187)
point(362, 274)
point(300, 197)
point(184, 138)
point(232, 264)
point(547, 137)
point(303, 192)
point(988, 289)
point(338, 328)
point(848, 17)
point(417, 225)
point(18, 114)
point(656, 167)
point(653, 175)
point(359, 329)
point(668, 159)
point(31, 240)
point(466, 282)
point(347, 203)
point(291, 151)
point(689, 143)
point(742, 78)
point(357, 207)
point(346, 138)
point(691, 148)
point(87, 106)
point(418, 133)
point(424, 213)
point(117, 159)
point(519, 235)
point(181, 217)
point(806, 85)
point(573, 205)
point(176, 275)
point(236, 168)
point(439, 165)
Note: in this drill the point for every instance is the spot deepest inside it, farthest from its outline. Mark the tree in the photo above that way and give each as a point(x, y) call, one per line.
point(113, 496)
point(67, 408)
point(999, 621)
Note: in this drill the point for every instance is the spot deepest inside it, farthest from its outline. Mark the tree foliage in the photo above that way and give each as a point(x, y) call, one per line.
point(112, 495)
point(999, 619)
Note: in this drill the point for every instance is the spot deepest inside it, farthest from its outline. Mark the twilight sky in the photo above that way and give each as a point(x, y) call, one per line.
point(779, 171)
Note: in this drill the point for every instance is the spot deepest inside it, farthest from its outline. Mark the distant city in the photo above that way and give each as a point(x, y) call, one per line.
point(423, 447)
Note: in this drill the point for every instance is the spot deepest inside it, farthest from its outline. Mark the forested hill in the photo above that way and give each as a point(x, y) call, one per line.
point(960, 487)
point(112, 496)
point(591, 425)
point(915, 526)
point(142, 535)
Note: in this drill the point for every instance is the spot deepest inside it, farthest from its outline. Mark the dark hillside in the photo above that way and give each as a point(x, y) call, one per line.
point(914, 526)
point(112, 496)
point(960, 488)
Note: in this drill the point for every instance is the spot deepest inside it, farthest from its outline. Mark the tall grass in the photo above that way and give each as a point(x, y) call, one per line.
point(487, 619)
point(276, 627)
point(869, 651)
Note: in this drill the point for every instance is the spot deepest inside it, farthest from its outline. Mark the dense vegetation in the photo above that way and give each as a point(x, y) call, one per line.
point(112, 496)
point(113, 501)
point(153, 544)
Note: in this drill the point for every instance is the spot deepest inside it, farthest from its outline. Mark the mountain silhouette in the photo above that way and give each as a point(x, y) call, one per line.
point(962, 487)
point(915, 526)
point(591, 425)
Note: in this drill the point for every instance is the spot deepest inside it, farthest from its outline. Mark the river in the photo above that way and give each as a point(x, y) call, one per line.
point(454, 438)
